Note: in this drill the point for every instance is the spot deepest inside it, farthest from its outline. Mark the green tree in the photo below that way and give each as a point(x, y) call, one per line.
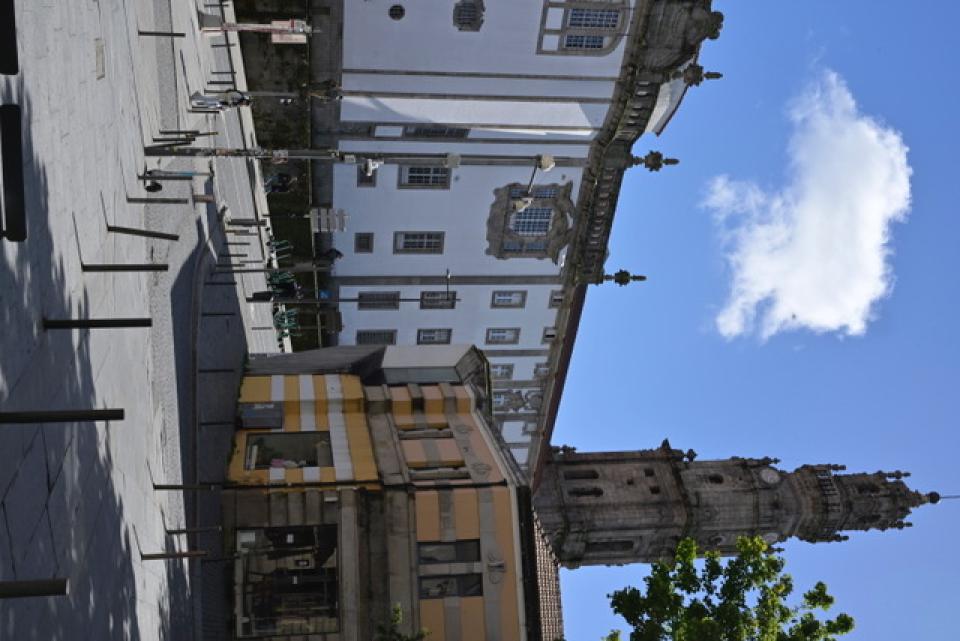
point(392, 631)
point(742, 599)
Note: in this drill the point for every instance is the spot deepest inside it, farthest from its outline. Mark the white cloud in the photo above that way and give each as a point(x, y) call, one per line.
point(813, 253)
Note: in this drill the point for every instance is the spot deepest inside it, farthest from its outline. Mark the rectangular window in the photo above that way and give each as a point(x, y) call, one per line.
point(376, 337)
point(420, 176)
point(556, 298)
point(499, 400)
point(501, 371)
point(594, 18)
point(439, 336)
point(549, 334)
point(378, 300)
point(289, 450)
point(577, 41)
point(503, 335)
point(434, 131)
point(508, 298)
point(532, 247)
point(541, 192)
point(532, 221)
point(541, 369)
point(363, 180)
point(363, 243)
point(441, 299)
point(439, 587)
point(453, 552)
point(418, 242)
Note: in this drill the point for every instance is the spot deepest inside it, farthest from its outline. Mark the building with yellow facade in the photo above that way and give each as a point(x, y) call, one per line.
point(365, 478)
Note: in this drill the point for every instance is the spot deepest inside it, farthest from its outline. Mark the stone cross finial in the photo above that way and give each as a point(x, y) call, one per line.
point(623, 277)
point(653, 161)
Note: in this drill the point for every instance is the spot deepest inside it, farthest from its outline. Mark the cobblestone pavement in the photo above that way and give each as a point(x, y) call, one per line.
point(77, 500)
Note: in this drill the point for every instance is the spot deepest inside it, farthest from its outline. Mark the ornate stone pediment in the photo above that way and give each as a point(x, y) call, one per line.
point(504, 242)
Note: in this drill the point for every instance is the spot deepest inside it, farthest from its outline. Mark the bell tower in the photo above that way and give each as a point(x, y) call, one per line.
point(607, 508)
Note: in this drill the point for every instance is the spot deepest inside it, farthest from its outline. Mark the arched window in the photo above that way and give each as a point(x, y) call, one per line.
point(585, 491)
point(580, 475)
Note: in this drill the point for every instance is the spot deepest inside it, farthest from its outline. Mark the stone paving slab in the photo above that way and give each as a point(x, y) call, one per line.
point(76, 500)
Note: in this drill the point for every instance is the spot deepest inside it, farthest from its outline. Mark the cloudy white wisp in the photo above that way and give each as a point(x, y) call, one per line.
point(813, 253)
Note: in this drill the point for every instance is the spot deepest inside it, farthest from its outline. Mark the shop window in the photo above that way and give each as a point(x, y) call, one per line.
point(439, 587)
point(289, 450)
point(453, 552)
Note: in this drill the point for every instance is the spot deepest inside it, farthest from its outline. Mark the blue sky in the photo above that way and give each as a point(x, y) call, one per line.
point(863, 370)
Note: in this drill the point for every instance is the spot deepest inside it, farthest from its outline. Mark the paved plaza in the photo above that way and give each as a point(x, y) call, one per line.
point(77, 500)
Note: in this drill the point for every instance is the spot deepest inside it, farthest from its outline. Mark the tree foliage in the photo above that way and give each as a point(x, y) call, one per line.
point(742, 599)
point(391, 632)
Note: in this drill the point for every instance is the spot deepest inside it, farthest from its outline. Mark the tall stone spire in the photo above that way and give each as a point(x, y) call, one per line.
point(625, 507)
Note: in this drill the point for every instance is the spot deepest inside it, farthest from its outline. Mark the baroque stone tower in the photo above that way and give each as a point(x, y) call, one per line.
point(609, 508)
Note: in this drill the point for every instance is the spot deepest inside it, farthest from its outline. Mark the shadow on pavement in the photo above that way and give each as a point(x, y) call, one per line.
point(61, 513)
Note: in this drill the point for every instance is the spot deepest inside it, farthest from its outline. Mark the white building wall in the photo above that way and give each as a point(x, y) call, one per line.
point(469, 319)
point(484, 86)
point(461, 212)
point(426, 40)
point(527, 113)
point(526, 149)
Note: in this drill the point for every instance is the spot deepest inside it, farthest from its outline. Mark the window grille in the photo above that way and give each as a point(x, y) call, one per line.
point(439, 587)
point(440, 299)
point(503, 335)
point(468, 15)
point(420, 176)
point(543, 193)
point(579, 41)
point(438, 336)
point(418, 242)
point(501, 371)
point(508, 298)
point(594, 18)
point(378, 300)
point(377, 337)
point(532, 221)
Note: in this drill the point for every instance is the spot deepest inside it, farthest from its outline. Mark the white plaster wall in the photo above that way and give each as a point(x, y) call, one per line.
point(513, 432)
point(484, 112)
point(523, 150)
point(469, 320)
point(460, 211)
point(471, 86)
point(426, 40)
point(523, 366)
